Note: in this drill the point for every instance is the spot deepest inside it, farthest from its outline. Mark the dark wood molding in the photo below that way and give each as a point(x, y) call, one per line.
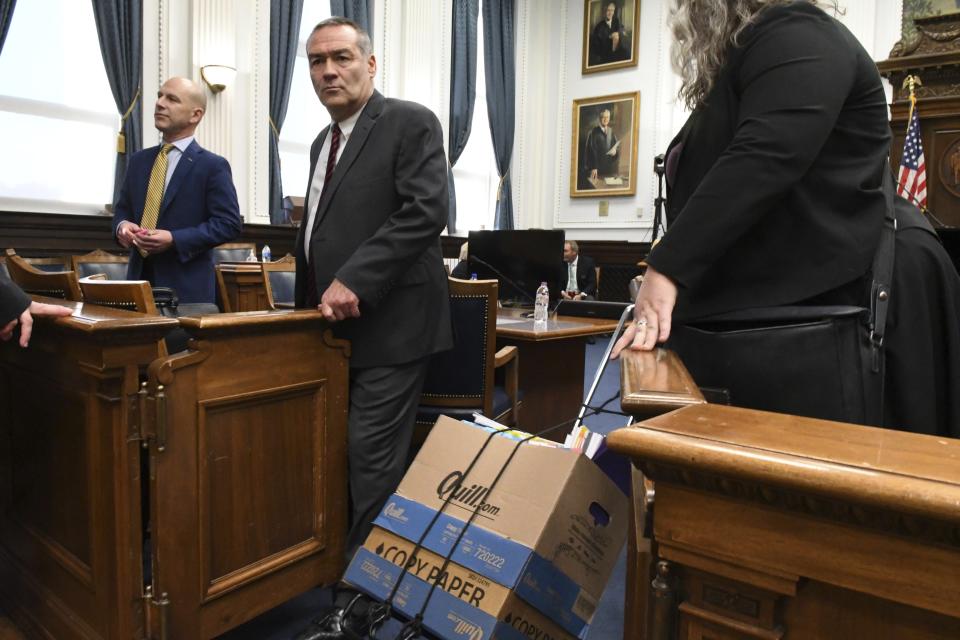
point(55, 234)
point(603, 252)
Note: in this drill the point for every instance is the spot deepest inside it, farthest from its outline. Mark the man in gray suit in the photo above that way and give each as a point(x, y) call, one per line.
point(368, 257)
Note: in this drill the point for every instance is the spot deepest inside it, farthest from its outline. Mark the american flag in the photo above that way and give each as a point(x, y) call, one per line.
point(912, 181)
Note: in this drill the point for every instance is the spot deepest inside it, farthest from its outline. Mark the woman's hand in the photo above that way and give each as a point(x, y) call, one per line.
point(26, 320)
point(652, 313)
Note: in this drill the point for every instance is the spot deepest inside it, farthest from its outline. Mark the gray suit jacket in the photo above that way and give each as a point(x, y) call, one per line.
point(377, 230)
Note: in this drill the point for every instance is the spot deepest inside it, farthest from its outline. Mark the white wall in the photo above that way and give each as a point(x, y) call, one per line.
point(179, 37)
point(550, 79)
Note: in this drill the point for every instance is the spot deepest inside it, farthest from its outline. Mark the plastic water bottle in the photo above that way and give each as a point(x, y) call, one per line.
point(540, 304)
point(473, 276)
point(252, 256)
point(265, 255)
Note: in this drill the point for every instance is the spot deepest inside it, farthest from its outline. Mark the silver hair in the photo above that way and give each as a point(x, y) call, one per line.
point(363, 38)
point(703, 31)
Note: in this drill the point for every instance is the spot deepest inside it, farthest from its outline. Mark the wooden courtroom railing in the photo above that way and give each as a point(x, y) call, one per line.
point(70, 531)
point(652, 383)
point(773, 526)
point(244, 471)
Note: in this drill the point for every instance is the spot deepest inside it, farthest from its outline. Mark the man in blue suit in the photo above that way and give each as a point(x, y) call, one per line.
point(178, 201)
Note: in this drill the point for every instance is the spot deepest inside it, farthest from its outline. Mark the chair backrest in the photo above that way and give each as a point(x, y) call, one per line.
point(99, 261)
point(131, 295)
point(233, 252)
point(61, 284)
point(279, 280)
point(614, 280)
point(463, 376)
point(52, 265)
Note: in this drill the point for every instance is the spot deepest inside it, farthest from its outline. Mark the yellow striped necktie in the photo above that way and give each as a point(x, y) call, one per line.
point(158, 176)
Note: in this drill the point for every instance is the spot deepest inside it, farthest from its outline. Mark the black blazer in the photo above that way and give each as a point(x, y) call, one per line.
point(377, 230)
point(13, 301)
point(586, 276)
point(777, 195)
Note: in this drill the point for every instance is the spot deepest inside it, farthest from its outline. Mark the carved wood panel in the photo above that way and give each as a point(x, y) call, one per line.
point(260, 465)
point(248, 468)
point(931, 52)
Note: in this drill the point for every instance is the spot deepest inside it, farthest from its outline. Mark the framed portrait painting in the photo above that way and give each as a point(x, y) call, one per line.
point(610, 33)
point(604, 146)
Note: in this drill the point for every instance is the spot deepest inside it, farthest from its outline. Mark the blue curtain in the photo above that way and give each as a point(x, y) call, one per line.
point(360, 11)
point(6, 12)
point(284, 38)
point(463, 91)
point(498, 58)
point(120, 30)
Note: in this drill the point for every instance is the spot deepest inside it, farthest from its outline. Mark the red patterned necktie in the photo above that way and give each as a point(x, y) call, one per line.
point(312, 295)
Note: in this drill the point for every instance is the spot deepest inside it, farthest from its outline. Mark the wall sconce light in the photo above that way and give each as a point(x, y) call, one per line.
point(217, 76)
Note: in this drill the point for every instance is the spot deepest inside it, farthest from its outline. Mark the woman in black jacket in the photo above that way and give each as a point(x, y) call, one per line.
point(774, 184)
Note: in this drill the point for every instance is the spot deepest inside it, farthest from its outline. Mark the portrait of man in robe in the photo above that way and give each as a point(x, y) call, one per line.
point(609, 34)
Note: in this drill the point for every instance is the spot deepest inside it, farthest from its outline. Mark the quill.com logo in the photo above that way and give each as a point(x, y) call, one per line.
point(472, 497)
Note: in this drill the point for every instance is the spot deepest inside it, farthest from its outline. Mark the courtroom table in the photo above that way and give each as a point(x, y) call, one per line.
point(774, 526)
point(242, 443)
point(551, 365)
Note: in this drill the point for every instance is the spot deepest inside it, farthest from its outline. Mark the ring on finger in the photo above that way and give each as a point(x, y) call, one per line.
point(641, 323)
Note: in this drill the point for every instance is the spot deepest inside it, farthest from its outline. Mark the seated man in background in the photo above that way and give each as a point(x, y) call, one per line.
point(462, 270)
point(178, 201)
point(580, 274)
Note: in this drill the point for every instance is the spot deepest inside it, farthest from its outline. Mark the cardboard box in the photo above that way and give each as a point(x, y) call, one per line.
point(549, 530)
point(463, 605)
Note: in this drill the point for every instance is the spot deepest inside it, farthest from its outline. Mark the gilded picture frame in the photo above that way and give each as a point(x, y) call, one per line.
point(610, 34)
point(603, 159)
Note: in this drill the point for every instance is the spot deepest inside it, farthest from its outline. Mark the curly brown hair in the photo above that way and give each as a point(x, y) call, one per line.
point(703, 30)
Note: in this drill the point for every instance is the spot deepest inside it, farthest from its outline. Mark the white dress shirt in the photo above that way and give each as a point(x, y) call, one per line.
point(173, 157)
point(572, 275)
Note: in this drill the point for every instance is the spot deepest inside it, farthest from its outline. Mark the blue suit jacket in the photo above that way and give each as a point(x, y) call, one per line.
point(200, 210)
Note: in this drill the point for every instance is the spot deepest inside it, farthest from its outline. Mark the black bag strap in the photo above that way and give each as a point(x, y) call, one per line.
point(880, 289)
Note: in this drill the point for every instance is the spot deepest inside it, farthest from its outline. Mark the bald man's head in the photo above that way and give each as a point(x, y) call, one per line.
point(180, 106)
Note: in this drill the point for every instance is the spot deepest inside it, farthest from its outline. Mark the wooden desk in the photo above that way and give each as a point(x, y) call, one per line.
point(240, 287)
point(551, 365)
point(772, 526)
point(245, 473)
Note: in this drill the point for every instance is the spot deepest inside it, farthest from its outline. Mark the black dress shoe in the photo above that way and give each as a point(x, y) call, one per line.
point(337, 624)
point(330, 627)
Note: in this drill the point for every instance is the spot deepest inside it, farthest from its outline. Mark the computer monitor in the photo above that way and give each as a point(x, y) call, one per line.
point(520, 260)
